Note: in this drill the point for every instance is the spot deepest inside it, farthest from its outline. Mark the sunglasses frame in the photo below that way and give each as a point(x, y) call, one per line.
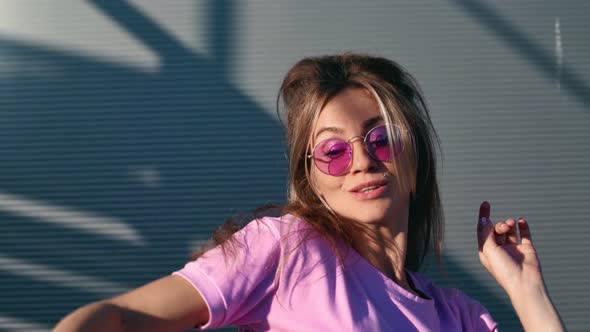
point(350, 141)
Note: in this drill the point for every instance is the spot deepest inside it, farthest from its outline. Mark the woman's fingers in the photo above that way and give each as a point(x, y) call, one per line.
point(485, 229)
point(512, 236)
point(500, 231)
point(525, 232)
point(506, 232)
point(501, 228)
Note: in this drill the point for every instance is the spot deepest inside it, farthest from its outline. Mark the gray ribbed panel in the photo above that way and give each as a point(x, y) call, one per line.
point(119, 115)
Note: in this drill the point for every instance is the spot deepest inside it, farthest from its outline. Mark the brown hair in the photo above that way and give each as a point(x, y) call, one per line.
point(306, 89)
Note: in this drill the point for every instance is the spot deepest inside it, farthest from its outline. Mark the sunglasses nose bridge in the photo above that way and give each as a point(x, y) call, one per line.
point(359, 158)
point(358, 138)
point(355, 138)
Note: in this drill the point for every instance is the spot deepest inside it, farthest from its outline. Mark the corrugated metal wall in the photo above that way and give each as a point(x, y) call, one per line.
point(130, 130)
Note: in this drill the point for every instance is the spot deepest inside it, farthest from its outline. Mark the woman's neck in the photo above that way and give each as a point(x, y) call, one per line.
point(384, 246)
point(386, 252)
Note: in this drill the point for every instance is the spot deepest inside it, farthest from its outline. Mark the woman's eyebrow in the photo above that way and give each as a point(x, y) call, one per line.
point(370, 123)
point(330, 129)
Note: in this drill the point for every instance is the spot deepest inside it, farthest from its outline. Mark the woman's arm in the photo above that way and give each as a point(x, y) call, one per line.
point(517, 269)
point(167, 304)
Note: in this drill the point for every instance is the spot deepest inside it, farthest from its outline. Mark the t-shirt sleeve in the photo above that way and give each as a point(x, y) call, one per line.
point(236, 279)
point(478, 317)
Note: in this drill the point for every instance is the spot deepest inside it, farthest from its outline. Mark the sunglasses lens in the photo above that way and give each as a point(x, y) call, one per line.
point(332, 156)
point(378, 144)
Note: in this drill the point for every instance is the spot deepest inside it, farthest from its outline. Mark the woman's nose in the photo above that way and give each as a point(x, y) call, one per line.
point(361, 160)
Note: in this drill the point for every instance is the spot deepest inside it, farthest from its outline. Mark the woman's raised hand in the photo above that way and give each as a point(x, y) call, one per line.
point(514, 263)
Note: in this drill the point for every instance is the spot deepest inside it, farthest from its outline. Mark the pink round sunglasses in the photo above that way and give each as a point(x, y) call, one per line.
point(333, 156)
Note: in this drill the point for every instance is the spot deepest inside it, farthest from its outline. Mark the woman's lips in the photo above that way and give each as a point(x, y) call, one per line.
point(369, 190)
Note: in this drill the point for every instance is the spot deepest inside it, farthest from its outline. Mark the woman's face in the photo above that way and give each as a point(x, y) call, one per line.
point(362, 193)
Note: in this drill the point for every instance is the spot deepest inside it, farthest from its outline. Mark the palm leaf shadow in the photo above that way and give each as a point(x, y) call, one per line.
point(76, 136)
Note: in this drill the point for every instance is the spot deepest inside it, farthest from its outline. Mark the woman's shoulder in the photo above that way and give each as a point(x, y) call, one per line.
point(295, 236)
point(446, 294)
point(452, 302)
point(280, 226)
point(452, 299)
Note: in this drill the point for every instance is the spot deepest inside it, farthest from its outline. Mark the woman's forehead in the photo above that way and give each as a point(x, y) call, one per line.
point(350, 109)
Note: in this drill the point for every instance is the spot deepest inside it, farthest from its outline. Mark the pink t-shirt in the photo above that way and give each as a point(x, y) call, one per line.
point(275, 281)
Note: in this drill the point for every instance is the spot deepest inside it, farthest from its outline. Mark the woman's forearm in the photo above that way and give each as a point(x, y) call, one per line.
point(98, 316)
point(167, 304)
point(535, 309)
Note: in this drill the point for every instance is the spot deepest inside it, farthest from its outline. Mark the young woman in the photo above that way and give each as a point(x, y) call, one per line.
point(363, 211)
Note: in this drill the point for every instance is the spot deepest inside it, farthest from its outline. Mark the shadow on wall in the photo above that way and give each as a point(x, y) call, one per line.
point(542, 60)
point(159, 158)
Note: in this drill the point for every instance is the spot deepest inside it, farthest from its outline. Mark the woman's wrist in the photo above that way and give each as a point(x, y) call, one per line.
point(522, 295)
point(535, 308)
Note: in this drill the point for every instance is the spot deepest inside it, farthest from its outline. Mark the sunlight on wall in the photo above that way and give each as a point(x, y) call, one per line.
point(42, 23)
point(84, 221)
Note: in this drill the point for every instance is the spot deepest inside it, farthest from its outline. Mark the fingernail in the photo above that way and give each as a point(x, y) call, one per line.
point(484, 220)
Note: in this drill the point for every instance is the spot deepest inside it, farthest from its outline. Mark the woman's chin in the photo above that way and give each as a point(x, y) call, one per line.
point(370, 218)
point(379, 214)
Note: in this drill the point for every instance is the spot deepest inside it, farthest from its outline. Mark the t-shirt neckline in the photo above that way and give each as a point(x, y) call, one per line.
point(392, 287)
